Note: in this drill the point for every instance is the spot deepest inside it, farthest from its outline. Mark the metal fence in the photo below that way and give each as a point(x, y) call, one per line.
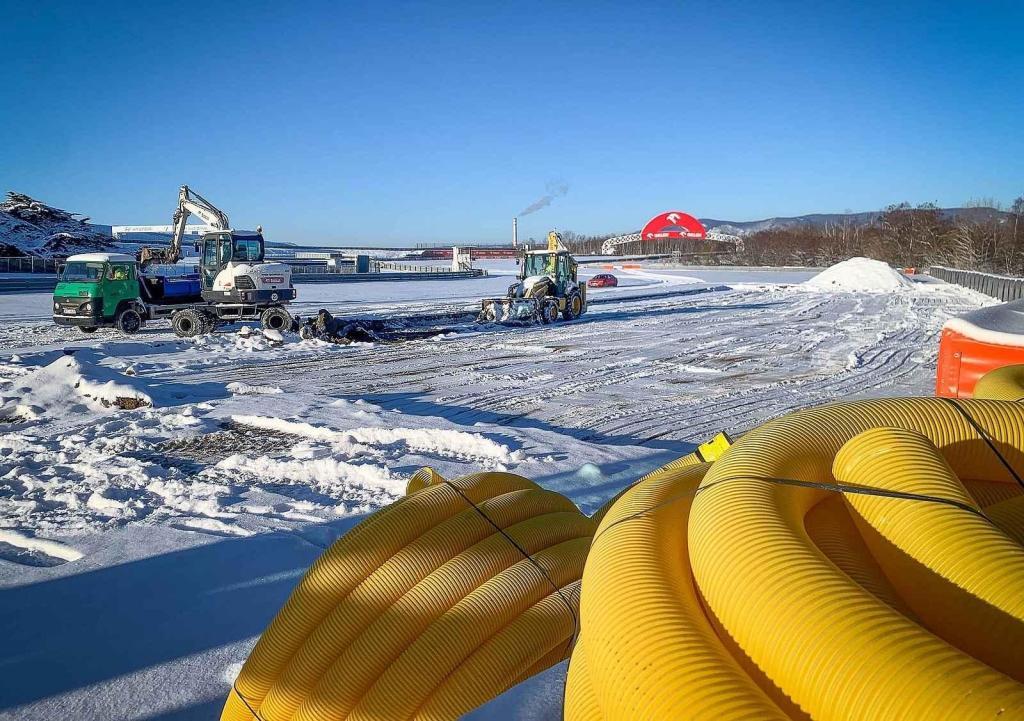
point(382, 266)
point(1003, 287)
point(28, 265)
point(320, 268)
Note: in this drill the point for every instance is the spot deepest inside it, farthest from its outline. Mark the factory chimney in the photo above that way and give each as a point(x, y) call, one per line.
point(515, 232)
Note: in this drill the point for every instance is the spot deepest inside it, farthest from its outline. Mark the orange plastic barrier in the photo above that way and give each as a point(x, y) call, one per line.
point(973, 344)
point(632, 265)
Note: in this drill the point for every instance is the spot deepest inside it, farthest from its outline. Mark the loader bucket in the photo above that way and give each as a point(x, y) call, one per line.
point(509, 310)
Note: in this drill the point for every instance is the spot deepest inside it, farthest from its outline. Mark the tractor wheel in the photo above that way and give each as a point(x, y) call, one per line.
point(573, 307)
point(128, 321)
point(88, 328)
point(488, 314)
point(188, 323)
point(549, 311)
point(276, 318)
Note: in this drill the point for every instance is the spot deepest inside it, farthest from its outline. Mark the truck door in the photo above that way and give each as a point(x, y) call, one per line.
point(119, 284)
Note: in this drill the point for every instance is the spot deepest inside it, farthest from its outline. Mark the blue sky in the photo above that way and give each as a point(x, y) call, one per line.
point(433, 121)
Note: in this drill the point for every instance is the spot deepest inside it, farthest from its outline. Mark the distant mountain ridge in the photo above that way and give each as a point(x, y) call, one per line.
point(817, 220)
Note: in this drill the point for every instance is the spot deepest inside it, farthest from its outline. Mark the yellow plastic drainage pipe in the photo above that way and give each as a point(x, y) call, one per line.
point(854, 561)
point(837, 649)
point(426, 609)
point(1004, 384)
point(960, 573)
point(650, 651)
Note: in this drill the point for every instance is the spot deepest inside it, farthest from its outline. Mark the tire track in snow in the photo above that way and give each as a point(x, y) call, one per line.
point(630, 365)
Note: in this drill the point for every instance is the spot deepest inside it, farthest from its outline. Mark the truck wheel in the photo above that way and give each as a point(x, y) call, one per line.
point(187, 323)
point(128, 321)
point(276, 318)
point(573, 307)
point(88, 328)
point(549, 311)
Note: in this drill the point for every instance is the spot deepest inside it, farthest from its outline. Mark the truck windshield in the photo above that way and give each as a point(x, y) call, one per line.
point(80, 271)
point(246, 249)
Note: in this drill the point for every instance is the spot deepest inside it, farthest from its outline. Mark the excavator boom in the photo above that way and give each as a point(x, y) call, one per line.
point(189, 203)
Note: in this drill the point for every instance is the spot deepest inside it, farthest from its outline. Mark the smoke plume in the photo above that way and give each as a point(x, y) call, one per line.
point(554, 190)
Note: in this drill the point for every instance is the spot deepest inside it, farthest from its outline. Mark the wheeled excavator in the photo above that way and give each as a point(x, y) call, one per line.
point(235, 282)
point(547, 288)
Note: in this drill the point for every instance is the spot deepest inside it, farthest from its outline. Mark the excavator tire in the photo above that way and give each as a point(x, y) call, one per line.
point(573, 307)
point(209, 323)
point(188, 323)
point(276, 318)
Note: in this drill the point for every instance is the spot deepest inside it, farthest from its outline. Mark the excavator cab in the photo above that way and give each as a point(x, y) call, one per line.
point(223, 247)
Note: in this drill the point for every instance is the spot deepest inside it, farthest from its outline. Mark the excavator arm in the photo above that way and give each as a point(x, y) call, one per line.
point(189, 203)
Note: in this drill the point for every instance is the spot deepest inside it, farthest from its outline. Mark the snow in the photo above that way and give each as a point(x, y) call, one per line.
point(532, 280)
point(28, 226)
point(39, 546)
point(999, 324)
point(860, 275)
point(469, 446)
point(143, 549)
point(102, 258)
point(70, 385)
point(273, 336)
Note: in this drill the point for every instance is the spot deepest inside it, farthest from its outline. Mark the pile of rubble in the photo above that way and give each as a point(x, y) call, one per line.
point(30, 227)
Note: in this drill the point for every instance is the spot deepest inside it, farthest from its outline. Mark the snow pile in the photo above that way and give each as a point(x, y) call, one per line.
point(327, 475)
point(28, 226)
point(859, 275)
point(69, 385)
point(246, 339)
point(38, 551)
point(244, 389)
point(365, 441)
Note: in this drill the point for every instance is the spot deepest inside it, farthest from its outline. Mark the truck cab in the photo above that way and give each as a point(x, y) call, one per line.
point(97, 290)
point(233, 270)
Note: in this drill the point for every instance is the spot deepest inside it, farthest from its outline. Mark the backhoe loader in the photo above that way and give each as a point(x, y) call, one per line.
point(547, 287)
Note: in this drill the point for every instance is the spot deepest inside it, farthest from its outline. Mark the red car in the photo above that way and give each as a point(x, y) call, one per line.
point(603, 280)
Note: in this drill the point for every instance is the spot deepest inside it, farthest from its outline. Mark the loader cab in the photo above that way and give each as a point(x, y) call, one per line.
point(219, 248)
point(559, 265)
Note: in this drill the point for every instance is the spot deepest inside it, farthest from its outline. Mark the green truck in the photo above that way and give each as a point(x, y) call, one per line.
point(104, 290)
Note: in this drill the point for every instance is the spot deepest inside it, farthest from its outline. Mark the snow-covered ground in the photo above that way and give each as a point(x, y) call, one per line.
point(160, 497)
